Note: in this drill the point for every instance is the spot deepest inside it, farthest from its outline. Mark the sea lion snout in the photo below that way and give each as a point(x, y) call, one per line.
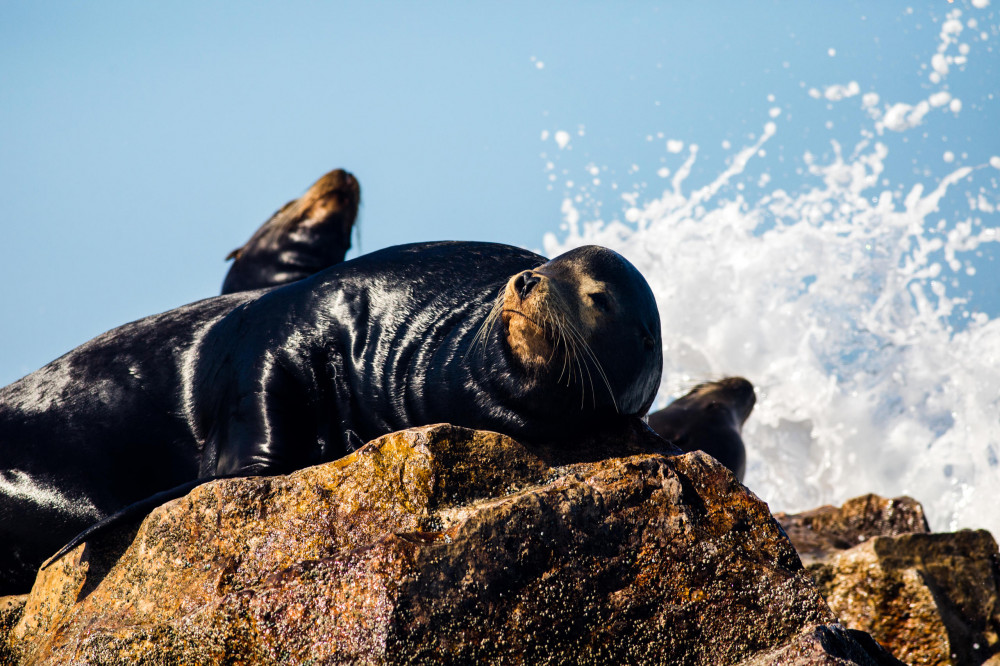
point(739, 393)
point(525, 319)
point(525, 282)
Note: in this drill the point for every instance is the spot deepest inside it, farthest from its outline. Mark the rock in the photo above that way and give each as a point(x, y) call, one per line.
point(929, 598)
point(444, 545)
point(820, 532)
point(11, 609)
point(827, 645)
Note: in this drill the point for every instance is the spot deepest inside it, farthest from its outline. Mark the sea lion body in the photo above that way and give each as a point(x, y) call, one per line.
point(269, 381)
point(305, 236)
point(710, 418)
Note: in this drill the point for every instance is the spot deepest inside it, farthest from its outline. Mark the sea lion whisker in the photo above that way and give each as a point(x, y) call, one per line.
point(558, 325)
point(555, 315)
point(573, 344)
point(483, 334)
point(480, 331)
point(551, 325)
point(578, 343)
point(590, 378)
point(493, 318)
point(604, 376)
point(568, 356)
point(518, 312)
point(597, 364)
point(568, 346)
point(559, 341)
point(567, 363)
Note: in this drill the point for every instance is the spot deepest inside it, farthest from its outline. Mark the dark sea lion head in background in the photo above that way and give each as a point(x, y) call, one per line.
point(586, 319)
point(710, 418)
point(305, 236)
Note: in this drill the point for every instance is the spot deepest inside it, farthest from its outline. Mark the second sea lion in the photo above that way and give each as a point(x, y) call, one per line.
point(305, 236)
point(710, 418)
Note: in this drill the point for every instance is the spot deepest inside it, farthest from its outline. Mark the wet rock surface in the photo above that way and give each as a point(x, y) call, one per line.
point(444, 545)
point(11, 609)
point(827, 645)
point(929, 598)
point(820, 532)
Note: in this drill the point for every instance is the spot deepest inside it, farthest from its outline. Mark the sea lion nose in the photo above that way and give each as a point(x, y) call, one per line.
point(743, 387)
point(525, 282)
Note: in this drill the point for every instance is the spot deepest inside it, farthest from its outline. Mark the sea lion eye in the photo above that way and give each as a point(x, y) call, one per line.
point(600, 301)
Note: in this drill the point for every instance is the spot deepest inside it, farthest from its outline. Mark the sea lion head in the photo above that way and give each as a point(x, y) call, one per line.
point(324, 215)
point(710, 418)
point(303, 237)
point(336, 193)
point(736, 394)
point(587, 320)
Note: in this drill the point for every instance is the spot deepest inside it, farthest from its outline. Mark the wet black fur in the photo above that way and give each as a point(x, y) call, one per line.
point(269, 381)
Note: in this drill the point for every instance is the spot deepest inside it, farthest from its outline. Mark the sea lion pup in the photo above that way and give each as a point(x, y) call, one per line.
point(305, 236)
point(710, 418)
point(480, 335)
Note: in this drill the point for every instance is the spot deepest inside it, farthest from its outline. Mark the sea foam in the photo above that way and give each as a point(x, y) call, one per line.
point(840, 300)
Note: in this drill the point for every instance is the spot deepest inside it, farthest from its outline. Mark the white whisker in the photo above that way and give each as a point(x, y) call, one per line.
point(483, 334)
point(597, 364)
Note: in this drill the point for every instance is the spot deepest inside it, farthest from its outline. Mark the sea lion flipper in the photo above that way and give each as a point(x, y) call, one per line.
point(272, 431)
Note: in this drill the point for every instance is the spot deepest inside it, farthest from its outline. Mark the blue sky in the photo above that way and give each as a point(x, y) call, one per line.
point(140, 142)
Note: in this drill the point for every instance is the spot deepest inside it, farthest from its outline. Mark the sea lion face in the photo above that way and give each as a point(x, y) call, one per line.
point(710, 418)
point(303, 237)
point(336, 193)
point(588, 319)
point(735, 394)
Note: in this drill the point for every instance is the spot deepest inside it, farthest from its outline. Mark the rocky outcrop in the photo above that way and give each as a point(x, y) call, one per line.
point(443, 545)
point(929, 598)
point(828, 645)
point(819, 533)
point(11, 609)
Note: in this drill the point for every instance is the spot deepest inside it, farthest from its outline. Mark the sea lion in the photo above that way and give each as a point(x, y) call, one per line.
point(305, 236)
point(480, 335)
point(710, 418)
